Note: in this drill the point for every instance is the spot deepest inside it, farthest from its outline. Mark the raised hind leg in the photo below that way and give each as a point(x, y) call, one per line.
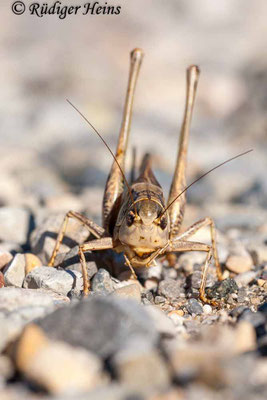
point(176, 210)
point(114, 184)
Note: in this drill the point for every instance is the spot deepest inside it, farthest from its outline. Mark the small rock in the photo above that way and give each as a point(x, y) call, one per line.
point(194, 280)
point(151, 283)
point(102, 325)
point(170, 289)
point(207, 309)
point(14, 272)
point(131, 291)
point(5, 258)
point(102, 283)
point(142, 368)
point(2, 280)
point(194, 307)
point(176, 317)
point(31, 261)
point(41, 361)
point(6, 367)
point(19, 307)
point(245, 337)
point(222, 289)
point(239, 263)
point(57, 280)
point(163, 324)
point(14, 222)
point(258, 253)
point(245, 278)
point(160, 300)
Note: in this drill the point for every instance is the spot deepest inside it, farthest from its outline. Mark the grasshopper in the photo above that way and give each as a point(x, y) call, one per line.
point(136, 220)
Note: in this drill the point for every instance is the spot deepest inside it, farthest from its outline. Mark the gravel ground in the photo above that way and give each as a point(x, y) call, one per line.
point(152, 338)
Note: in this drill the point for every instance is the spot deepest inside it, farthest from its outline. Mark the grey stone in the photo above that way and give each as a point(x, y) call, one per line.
point(194, 307)
point(14, 298)
point(102, 283)
point(43, 238)
point(222, 289)
point(6, 368)
point(21, 306)
point(141, 367)
point(102, 325)
point(5, 258)
point(14, 272)
point(170, 288)
point(15, 224)
point(131, 291)
point(245, 278)
point(59, 281)
point(194, 280)
point(163, 324)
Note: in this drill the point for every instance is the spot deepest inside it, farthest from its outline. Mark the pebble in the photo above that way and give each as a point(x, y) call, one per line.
point(14, 222)
point(5, 258)
point(2, 279)
point(194, 307)
point(258, 253)
point(14, 272)
point(6, 367)
point(207, 309)
point(102, 282)
point(131, 291)
point(222, 289)
point(195, 279)
point(59, 281)
point(239, 263)
point(141, 368)
point(41, 361)
point(245, 337)
point(170, 288)
point(176, 317)
point(163, 324)
point(31, 261)
point(245, 278)
point(102, 325)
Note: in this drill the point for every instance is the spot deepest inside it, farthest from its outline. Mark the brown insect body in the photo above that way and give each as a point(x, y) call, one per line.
point(136, 220)
point(142, 233)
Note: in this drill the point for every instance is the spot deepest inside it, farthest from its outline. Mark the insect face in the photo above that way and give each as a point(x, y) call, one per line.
point(147, 226)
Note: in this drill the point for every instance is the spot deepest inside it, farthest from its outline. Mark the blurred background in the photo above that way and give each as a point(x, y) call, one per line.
point(50, 159)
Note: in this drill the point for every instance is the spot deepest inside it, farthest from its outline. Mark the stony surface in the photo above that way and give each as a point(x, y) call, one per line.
point(14, 272)
point(59, 281)
point(165, 344)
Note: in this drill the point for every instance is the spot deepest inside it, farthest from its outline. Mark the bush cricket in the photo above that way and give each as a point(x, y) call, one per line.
point(136, 220)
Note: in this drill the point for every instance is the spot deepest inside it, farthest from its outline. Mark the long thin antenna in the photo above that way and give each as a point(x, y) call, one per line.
point(109, 149)
point(206, 173)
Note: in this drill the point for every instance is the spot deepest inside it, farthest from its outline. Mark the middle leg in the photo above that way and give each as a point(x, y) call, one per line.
point(196, 246)
point(193, 229)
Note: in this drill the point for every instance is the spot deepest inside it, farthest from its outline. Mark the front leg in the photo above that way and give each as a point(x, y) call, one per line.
point(98, 244)
point(93, 228)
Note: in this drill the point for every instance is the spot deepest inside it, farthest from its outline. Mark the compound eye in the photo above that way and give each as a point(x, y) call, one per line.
point(163, 223)
point(130, 218)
